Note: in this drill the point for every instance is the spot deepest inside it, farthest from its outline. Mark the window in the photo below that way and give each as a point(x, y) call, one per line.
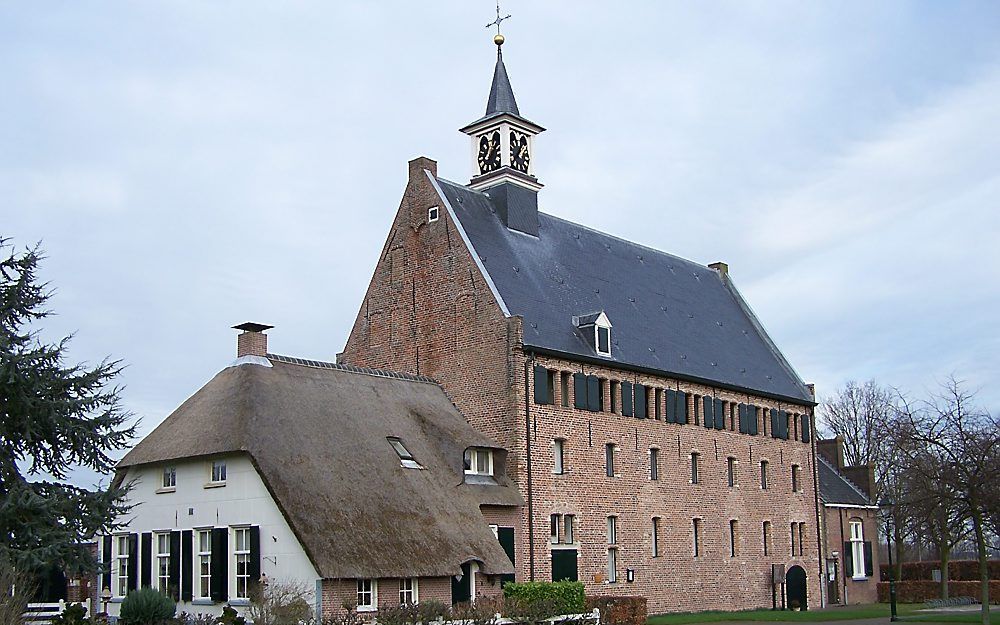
point(564, 389)
point(696, 531)
point(163, 563)
point(169, 477)
point(654, 463)
point(802, 533)
point(767, 538)
point(554, 523)
point(408, 591)
point(656, 536)
point(794, 532)
point(405, 457)
point(733, 538)
point(603, 340)
point(367, 594)
point(612, 530)
point(218, 471)
point(241, 554)
point(478, 461)
point(567, 536)
point(433, 213)
point(609, 459)
point(731, 471)
point(796, 487)
point(121, 589)
point(857, 554)
point(798, 534)
point(694, 467)
point(564, 524)
point(658, 404)
point(205, 564)
point(763, 474)
point(545, 380)
point(612, 565)
point(558, 451)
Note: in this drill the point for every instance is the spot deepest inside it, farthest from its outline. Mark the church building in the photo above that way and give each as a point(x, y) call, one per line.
point(662, 443)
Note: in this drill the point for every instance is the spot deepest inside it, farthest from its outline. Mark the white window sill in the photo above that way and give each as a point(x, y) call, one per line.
point(861, 578)
point(366, 608)
point(239, 602)
point(165, 489)
point(214, 484)
point(202, 601)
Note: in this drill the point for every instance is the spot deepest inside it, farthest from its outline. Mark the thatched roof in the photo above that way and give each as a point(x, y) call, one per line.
point(317, 434)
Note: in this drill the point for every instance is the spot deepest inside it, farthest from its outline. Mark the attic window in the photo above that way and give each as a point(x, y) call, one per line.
point(405, 457)
point(432, 213)
point(600, 325)
point(478, 461)
point(603, 340)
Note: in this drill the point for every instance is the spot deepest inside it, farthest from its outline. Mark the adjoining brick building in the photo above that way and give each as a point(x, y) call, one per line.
point(850, 525)
point(662, 442)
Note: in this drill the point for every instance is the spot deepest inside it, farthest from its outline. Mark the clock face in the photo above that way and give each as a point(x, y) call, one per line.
point(489, 152)
point(519, 157)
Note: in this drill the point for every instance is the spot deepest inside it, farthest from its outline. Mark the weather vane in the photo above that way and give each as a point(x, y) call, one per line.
point(499, 38)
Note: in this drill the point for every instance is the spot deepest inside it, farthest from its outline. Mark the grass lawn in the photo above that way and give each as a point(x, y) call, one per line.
point(906, 612)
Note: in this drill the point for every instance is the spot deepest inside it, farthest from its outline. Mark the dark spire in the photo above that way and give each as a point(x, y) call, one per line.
point(501, 95)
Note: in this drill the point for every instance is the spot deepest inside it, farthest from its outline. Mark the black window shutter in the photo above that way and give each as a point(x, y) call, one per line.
point(628, 408)
point(593, 393)
point(707, 415)
point(671, 406)
point(640, 401)
point(254, 568)
point(580, 391)
point(187, 565)
point(506, 537)
point(774, 423)
point(541, 385)
point(106, 564)
point(175, 565)
point(682, 407)
point(848, 561)
point(133, 561)
point(805, 428)
point(752, 419)
point(783, 424)
point(220, 564)
point(741, 411)
point(146, 560)
point(868, 558)
point(720, 415)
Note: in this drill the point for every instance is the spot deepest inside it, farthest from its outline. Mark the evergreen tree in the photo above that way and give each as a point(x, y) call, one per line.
point(55, 416)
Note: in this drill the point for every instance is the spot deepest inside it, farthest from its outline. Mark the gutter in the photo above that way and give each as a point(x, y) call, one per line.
point(823, 599)
point(527, 444)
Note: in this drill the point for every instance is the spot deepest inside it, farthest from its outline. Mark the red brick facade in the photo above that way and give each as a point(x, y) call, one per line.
point(854, 588)
point(429, 310)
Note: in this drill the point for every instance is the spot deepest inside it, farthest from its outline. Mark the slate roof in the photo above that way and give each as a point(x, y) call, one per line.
point(501, 98)
point(835, 488)
point(316, 432)
point(670, 315)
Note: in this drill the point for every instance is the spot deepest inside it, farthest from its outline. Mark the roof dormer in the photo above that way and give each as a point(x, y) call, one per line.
point(596, 329)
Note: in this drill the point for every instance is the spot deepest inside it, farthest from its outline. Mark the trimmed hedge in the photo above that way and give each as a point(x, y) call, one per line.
point(562, 597)
point(958, 570)
point(619, 610)
point(923, 591)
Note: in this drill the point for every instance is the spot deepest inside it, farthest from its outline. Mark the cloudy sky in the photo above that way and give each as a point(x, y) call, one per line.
point(191, 165)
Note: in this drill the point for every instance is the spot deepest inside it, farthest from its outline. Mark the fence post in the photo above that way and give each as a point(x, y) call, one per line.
point(62, 606)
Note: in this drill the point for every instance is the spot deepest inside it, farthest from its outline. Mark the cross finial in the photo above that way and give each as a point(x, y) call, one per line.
point(498, 20)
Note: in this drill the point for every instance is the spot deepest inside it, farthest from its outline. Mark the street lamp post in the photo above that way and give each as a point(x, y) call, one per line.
point(887, 510)
point(106, 598)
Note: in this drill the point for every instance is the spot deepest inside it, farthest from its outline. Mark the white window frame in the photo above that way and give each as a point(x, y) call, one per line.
point(656, 537)
point(168, 480)
point(217, 469)
point(203, 556)
point(371, 592)
point(569, 532)
point(558, 456)
point(120, 583)
point(433, 214)
point(796, 481)
point(612, 530)
point(406, 459)
point(555, 526)
point(612, 564)
point(597, 339)
point(857, 554)
point(241, 556)
point(411, 595)
point(474, 455)
point(162, 559)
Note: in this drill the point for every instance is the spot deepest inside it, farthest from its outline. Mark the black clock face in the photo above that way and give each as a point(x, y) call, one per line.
point(489, 152)
point(519, 157)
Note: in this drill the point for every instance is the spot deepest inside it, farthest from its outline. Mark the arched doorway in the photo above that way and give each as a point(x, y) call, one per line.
point(795, 587)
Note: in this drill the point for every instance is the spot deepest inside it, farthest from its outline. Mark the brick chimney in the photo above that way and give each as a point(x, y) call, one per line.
point(832, 449)
point(862, 476)
point(251, 341)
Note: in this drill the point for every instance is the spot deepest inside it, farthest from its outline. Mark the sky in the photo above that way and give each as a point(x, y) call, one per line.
point(190, 165)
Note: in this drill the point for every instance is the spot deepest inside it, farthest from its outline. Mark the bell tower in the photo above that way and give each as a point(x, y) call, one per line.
point(503, 149)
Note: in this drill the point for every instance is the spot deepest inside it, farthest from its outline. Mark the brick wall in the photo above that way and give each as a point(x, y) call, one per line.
point(428, 310)
point(337, 592)
point(852, 590)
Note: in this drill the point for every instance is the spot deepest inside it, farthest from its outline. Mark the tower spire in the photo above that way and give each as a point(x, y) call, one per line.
point(501, 98)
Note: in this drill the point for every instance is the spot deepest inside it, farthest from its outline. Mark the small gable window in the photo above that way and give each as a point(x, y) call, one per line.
point(596, 329)
point(433, 213)
point(405, 457)
point(478, 461)
point(604, 340)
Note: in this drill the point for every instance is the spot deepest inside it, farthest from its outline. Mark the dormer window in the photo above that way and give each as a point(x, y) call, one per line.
point(405, 457)
point(596, 328)
point(478, 461)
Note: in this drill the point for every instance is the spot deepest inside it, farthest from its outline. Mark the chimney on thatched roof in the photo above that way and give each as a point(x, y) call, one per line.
point(251, 341)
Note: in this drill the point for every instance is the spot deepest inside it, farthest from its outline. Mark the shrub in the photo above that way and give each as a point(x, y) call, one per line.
point(146, 606)
point(74, 614)
point(619, 610)
point(923, 591)
point(958, 570)
point(555, 597)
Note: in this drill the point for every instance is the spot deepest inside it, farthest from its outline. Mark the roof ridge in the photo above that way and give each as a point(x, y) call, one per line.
point(378, 373)
point(585, 227)
point(846, 479)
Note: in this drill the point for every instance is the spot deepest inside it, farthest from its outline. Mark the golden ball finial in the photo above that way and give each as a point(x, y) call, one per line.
point(498, 39)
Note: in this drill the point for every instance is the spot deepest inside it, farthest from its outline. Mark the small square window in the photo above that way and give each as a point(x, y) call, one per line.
point(367, 595)
point(478, 461)
point(433, 213)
